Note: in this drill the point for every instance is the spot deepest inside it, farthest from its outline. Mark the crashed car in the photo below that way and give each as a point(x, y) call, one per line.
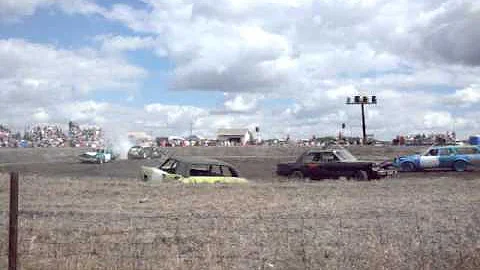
point(455, 157)
point(192, 170)
point(331, 164)
point(99, 155)
point(144, 152)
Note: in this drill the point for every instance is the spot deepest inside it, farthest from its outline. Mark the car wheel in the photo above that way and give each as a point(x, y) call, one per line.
point(295, 176)
point(407, 167)
point(361, 176)
point(460, 166)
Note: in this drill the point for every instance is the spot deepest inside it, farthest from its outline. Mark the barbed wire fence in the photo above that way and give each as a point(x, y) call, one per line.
point(56, 239)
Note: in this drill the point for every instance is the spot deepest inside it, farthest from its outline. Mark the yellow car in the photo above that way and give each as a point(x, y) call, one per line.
point(192, 170)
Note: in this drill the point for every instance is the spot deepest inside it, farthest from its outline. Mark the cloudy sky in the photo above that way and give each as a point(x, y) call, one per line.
point(285, 66)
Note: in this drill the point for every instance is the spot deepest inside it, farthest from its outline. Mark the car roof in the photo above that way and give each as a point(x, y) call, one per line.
point(200, 160)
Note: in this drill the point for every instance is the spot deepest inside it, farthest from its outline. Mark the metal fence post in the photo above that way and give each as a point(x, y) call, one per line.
point(13, 219)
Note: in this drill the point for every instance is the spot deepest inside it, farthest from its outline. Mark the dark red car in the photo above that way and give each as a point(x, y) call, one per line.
point(331, 164)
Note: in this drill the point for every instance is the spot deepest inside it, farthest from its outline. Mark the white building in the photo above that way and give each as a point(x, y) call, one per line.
point(234, 136)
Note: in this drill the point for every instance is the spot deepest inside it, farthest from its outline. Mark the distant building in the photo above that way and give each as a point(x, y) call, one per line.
point(234, 136)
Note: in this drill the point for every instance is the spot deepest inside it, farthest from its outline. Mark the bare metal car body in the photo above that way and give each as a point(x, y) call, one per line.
point(192, 170)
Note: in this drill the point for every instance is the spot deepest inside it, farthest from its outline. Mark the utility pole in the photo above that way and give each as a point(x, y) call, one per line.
point(362, 101)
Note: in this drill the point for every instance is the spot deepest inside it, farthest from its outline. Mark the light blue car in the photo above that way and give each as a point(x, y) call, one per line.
point(456, 157)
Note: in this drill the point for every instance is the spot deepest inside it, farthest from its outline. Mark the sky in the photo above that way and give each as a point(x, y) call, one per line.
point(284, 66)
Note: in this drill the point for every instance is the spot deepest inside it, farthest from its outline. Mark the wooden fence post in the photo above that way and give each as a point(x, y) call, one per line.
point(13, 228)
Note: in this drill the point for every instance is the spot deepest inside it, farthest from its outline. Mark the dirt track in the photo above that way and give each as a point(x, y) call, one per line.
point(254, 163)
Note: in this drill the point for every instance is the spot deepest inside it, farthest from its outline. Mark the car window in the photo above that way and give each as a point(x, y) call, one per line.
point(169, 166)
point(229, 171)
point(199, 170)
point(329, 157)
point(467, 150)
point(215, 170)
point(317, 157)
point(311, 157)
point(432, 152)
point(444, 152)
point(345, 155)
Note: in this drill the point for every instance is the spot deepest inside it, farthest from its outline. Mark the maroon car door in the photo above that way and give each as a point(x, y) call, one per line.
point(317, 168)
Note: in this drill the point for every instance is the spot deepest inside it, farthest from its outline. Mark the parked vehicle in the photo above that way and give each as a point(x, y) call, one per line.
point(331, 164)
point(192, 170)
point(456, 157)
point(99, 155)
point(144, 152)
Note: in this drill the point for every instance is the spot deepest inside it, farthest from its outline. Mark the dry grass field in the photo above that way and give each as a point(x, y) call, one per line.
point(402, 223)
point(81, 216)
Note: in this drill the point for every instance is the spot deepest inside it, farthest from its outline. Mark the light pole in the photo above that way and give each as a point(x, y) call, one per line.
point(362, 101)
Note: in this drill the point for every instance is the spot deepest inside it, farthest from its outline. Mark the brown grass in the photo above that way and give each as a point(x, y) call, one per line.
point(388, 224)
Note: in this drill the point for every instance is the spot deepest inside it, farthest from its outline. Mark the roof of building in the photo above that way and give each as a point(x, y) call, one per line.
point(232, 131)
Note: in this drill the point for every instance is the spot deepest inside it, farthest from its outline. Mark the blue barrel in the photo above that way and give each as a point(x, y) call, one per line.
point(474, 140)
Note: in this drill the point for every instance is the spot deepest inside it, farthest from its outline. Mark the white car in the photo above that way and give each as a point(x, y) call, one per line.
point(99, 156)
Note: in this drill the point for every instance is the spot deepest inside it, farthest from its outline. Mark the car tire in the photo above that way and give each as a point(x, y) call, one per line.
point(460, 166)
point(361, 175)
point(407, 167)
point(296, 176)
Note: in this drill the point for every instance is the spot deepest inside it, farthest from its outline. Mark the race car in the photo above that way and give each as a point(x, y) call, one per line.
point(456, 157)
point(99, 155)
point(144, 152)
point(192, 170)
point(319, 164)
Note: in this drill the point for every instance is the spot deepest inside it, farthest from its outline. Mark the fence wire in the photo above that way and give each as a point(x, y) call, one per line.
point(208, 241)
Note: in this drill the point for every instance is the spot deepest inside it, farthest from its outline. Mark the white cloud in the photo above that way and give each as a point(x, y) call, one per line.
point(14, 10)
point(241, 103)
point(85, 111)
point(11, 10)
point(312, 53)
point(464, 97)
point(44, 74)
point(438, 120)
point(41, 115)
point(116, 43)
point(36, 78)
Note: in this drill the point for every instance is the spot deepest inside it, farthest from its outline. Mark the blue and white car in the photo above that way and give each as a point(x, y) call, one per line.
point(456, 157)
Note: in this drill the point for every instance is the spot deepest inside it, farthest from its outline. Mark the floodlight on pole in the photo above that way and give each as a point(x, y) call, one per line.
point(362, 101)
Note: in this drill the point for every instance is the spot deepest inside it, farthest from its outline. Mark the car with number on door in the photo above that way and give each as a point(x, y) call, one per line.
point(455, 157)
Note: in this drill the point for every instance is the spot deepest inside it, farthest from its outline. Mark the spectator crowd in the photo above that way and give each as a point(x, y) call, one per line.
point(8, 138)
point(89, 136)
point(52, 135)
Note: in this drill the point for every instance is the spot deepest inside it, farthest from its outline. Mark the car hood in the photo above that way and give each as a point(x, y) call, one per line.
point(403, 158)
point(408, 157)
